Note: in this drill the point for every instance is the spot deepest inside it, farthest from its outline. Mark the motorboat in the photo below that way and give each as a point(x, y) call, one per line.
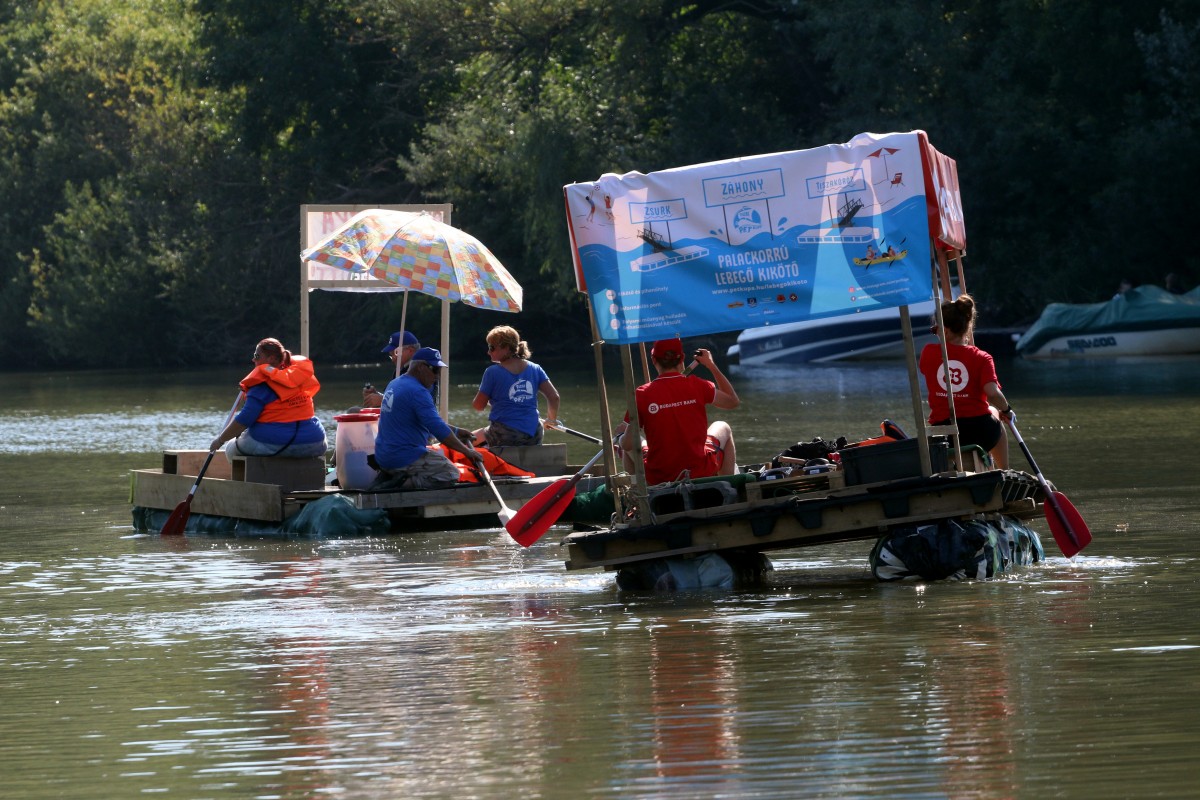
point(1143, 321)
point(867, 335)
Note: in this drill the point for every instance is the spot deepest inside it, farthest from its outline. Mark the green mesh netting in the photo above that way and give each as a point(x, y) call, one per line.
point(332, 517)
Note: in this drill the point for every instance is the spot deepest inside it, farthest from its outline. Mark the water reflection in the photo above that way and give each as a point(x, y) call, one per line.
point(458, 664)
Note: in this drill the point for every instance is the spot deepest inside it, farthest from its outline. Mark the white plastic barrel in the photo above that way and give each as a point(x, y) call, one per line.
point(355, 441)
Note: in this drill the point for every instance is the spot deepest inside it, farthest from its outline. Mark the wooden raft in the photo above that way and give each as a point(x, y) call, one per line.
point(274, 489)
point(807, 511)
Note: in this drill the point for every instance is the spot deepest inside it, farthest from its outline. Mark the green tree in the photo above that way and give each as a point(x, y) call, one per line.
point(561, 93)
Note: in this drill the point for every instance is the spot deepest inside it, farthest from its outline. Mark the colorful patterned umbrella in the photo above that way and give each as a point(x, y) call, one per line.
point(417, 253)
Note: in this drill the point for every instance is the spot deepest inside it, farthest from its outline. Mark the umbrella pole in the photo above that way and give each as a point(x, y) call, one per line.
point(403, 321)
point(444, 386)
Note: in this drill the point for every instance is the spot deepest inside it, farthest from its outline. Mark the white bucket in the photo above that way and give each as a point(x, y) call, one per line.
point(355, 441)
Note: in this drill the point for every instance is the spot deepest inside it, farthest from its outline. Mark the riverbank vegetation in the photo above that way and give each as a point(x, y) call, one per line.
point(154, 153)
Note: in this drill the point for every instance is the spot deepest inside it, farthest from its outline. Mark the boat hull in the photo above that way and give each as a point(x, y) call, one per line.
point(1162, 342)
point(867, 336)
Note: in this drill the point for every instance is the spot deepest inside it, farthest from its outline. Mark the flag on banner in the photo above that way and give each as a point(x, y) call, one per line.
point(763, 240)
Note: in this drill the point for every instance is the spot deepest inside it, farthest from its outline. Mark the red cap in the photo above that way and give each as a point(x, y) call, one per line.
point(664, 347)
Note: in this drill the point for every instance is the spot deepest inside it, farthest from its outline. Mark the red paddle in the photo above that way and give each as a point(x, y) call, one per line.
point(535, 517)
point(1071, 533)
point(178, 520)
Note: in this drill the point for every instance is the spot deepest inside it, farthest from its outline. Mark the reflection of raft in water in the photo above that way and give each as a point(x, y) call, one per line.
point(659, 260)
point(866, 262)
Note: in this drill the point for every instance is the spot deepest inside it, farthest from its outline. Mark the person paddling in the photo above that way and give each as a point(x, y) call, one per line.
point(979, 404)
point(408, 420)
point(278, 417)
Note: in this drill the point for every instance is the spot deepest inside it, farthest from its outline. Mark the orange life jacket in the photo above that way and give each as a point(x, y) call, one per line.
point(494, 464)
point(296, 386)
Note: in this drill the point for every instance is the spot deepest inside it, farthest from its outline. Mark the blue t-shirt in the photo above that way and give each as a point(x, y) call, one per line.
point(281, 433)
point(407, 419)
point(514, 397)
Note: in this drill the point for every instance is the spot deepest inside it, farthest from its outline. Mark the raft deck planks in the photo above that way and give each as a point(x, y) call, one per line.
point(808, 518)
point(265, 502)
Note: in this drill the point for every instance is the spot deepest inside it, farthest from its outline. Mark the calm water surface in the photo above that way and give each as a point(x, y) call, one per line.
point(454, 665)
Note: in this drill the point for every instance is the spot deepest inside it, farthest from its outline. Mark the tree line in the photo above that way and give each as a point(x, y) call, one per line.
point(154, 153)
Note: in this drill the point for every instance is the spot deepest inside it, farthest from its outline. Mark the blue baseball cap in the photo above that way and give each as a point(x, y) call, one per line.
point(430, 356)
point(409, 339)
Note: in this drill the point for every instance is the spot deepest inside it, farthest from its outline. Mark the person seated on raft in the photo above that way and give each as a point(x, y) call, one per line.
point(408, 419)
point(511, 385)
point(400, 354)
point(891, 251)
point(278, 417)
point(672, 410)
point(975, 384)
point(871, 252)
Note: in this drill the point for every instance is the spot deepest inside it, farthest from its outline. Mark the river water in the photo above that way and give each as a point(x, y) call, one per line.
point(458, 665)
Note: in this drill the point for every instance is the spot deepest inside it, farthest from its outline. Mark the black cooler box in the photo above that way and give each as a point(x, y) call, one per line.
point(889, 461)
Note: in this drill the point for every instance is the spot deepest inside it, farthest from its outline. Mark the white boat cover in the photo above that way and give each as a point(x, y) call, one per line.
point(1144, 308)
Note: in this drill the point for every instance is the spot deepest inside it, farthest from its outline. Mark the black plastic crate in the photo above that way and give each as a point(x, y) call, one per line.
point(891, 461)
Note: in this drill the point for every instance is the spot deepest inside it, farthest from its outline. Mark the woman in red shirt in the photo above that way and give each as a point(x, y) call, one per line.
point(977, 395)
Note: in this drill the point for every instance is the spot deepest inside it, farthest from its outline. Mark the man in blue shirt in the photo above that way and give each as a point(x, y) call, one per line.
point(399, 349)
point(408, 419)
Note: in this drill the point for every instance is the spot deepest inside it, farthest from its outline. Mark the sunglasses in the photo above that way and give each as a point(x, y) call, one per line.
point(492, 347)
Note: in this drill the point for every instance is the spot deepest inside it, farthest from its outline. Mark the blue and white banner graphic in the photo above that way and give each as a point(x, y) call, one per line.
point(753, 241)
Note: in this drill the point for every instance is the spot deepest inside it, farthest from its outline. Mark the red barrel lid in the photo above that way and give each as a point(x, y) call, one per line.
point(366, 415)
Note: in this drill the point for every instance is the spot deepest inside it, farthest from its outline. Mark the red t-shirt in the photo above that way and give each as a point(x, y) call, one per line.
point(970, 369)
point(672, 412)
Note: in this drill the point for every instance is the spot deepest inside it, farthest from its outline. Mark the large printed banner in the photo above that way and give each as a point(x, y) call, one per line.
point(763, 240)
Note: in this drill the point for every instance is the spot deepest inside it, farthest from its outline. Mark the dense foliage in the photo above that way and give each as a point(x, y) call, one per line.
point(154, 153)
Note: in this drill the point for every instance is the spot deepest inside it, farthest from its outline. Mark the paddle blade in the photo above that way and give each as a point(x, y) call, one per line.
point(535, 517)
point(178, 520)
point(1071, 533)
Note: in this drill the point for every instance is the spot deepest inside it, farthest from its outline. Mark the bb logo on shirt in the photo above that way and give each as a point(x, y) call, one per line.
point(521, 391)
point(958, 376)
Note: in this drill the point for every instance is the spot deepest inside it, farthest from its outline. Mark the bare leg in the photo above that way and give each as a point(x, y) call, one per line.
point(999, 453)
point(724, 434)
point(627, 462)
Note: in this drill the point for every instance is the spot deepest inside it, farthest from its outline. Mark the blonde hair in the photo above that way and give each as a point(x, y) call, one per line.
point(508, 336)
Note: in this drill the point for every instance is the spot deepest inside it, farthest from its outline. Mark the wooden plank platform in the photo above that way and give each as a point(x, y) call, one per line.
point(464, 498)
point(265, 502)
point(808, 517)
point(216, 496)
